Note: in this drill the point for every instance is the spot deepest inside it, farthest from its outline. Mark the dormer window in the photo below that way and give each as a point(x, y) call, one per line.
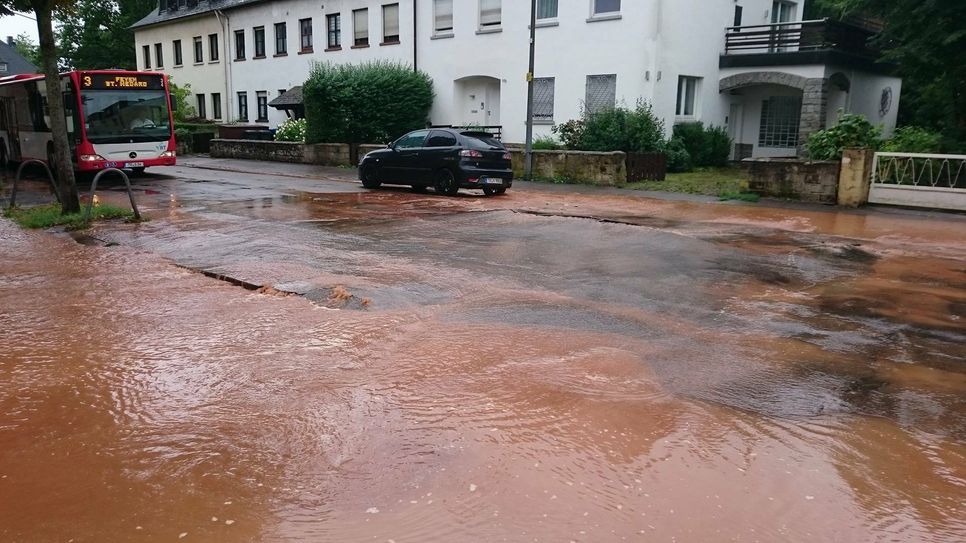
point(4, 67)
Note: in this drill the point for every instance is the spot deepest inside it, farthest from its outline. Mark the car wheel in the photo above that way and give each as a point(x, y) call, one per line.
point(445, 183)
point(369, 178)
point(499, 191)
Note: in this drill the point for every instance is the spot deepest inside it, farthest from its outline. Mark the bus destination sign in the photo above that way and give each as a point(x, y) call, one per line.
point(121, 81)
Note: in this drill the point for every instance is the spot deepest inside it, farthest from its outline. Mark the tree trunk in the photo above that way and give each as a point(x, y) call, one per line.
point(62, 167)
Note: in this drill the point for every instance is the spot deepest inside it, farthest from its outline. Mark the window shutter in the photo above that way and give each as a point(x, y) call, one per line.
point(444, 15)
point(390, 23)
point(489, 12)
point(360, 24)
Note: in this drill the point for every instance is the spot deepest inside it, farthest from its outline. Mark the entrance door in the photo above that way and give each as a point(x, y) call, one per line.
point(781, 12)
point(10, 122)
point(736, 123)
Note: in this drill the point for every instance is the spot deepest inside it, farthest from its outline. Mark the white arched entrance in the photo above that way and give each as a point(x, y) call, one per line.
point(477, 100)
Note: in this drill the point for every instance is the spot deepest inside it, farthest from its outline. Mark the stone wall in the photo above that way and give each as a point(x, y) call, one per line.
point(279, 151)
point(808, 181)
point(323, 154)
point(328, 154)
point(606, 169)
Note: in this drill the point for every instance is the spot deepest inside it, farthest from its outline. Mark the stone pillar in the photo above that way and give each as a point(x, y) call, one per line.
point(855, 177)
point(814, 109)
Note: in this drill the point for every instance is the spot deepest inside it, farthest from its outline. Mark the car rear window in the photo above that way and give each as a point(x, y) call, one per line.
point(482, 141)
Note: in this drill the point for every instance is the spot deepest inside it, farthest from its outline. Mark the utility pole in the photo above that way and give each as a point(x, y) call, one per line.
point(528, 168)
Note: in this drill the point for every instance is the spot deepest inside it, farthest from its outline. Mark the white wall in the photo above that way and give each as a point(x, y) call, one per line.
point(865, 96)
point(205, 78)
point(648, 46)
point(274, 73)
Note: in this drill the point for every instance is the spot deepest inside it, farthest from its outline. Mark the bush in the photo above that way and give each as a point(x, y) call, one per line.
point(851, 131)
point(709, 146)
point(569, 132)
point(913, 139)
point(719, 146)
point(620, 129)
point(693, 138)
point(546, 143)
point(374, 102)
point(184, 135)
point(181, 96)
point(678, 157)
point(196, 127)
point(291, 130)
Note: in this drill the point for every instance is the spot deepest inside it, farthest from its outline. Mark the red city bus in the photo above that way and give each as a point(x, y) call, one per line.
point(115, 119)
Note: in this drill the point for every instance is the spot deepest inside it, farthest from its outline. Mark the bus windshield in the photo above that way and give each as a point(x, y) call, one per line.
point(122, 116)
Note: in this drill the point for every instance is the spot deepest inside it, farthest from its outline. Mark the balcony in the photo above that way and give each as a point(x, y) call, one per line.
point(822, 41)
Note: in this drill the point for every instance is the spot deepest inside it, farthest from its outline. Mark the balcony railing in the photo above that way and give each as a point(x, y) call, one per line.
point(804, 36)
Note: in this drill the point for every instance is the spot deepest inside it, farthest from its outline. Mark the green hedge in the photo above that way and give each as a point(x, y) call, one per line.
point(374, 102)
point(709, 146)
point(195, 127)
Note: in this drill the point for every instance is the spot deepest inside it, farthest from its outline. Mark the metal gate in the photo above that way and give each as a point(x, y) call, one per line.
point(646, 167)
point(919, 180)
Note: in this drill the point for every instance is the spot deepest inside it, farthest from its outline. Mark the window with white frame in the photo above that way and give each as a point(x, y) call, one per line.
point(360, 27)
point(491, 14)
point(687, 96)
point(390, 23)
point(780, 116)
point(543, 99)
point(546, 9)
point(443, 16)
point(606, 7)
point(601, 93)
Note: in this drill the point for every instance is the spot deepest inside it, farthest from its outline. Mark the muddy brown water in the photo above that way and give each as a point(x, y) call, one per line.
point(505, 370)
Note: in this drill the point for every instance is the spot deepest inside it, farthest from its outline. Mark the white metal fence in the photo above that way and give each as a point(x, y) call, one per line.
point(920, 180)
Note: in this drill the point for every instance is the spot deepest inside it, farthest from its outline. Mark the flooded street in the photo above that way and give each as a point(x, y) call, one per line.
point(552, 365)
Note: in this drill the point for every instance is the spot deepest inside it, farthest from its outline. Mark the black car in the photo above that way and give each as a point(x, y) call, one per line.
point(443, 158)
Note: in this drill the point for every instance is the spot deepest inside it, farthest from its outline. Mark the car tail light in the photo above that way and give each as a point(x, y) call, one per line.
point(506, 156)
point(470, 153)
point(90, 158)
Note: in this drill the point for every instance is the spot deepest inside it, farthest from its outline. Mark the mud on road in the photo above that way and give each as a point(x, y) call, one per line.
point(545, 366)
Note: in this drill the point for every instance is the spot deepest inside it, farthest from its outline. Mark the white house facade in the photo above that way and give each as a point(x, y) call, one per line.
point(752, 66)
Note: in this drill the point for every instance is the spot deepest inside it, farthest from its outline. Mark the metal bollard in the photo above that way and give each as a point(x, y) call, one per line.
point(130, 194)
point(16, 180)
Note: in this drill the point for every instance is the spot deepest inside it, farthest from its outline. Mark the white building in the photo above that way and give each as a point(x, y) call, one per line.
point(751, 65)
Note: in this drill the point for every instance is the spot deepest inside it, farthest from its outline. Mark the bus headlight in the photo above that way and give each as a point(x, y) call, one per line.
point(90, 158)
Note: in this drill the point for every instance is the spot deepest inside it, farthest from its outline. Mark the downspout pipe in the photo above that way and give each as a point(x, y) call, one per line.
point(224, 22)
point(415, 37)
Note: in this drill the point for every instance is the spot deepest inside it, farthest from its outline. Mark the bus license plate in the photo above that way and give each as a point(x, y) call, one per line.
point(135, 164)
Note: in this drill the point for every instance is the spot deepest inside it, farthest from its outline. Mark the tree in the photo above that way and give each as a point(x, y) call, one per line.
point(59, 154)
point(29, 50)
point(97, 35)
point(927, 42)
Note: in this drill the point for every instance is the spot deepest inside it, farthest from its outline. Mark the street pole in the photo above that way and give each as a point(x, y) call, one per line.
point(528, 168)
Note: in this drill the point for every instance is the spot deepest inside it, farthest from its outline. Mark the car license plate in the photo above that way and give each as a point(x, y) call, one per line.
point(492, 181)
point(135, 164)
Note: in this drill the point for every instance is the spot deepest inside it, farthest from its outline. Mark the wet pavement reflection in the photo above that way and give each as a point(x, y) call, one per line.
point(545, 366)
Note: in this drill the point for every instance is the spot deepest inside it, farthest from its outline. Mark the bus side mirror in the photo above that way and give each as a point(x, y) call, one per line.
point(174, 105)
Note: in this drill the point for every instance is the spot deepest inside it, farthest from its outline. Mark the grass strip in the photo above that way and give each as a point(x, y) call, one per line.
point(49, 215)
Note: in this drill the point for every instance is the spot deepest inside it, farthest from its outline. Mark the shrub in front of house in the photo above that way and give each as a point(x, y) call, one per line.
point(678, 158)
point(546, 143)
point(375, 102)
point(707, 146)
point(913, 139)
point(291, 130)
point(636, 130)
point(851, 131)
